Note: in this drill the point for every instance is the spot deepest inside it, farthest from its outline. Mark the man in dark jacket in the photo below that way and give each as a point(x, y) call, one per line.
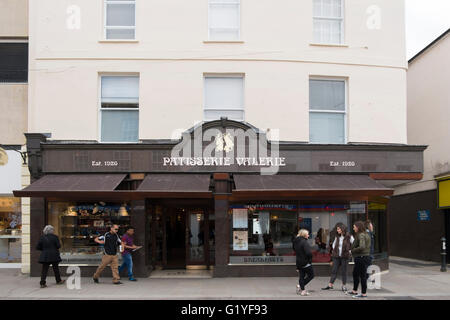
point(49, 245)
point(303, 260)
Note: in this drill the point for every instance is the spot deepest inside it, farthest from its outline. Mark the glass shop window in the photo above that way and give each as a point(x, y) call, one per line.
point(263, 234)
point(10, 230)
point(78, 224)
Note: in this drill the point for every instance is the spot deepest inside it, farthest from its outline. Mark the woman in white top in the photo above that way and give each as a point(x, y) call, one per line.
point(340, 255)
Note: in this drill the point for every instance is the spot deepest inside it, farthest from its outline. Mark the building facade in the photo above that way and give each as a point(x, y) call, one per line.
point(423, 206)
point(214, 133)
point(14, 212)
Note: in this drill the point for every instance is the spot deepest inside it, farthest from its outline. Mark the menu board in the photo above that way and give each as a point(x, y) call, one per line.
point(240, 240)
point(240, 220)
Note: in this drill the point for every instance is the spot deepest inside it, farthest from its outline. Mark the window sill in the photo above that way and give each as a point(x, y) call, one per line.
point(223, 41)
point(118, 41)
point(329, 45)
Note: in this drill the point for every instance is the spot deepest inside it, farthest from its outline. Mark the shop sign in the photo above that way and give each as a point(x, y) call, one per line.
point(423, 215)
point(262, 260)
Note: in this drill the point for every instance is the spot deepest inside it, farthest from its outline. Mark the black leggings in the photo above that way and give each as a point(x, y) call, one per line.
point(305, 276)
point(44, 272)
point(360, 273)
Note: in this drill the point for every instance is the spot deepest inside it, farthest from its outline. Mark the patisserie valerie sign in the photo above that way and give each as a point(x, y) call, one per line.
point(213, 147)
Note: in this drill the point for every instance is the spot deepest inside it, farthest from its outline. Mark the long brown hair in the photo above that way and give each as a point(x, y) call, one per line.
point(360, 226)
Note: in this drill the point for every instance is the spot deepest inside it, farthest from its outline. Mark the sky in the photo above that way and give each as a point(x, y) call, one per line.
point(425, 21)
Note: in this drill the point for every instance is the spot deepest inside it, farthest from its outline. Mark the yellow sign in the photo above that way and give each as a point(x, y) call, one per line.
point(444, 194)
point(377, 206)
point(3, 157)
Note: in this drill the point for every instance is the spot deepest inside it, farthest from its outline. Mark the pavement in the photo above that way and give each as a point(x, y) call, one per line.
point(406, 280)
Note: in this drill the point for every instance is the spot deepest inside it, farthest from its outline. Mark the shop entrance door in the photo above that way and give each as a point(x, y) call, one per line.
point(174, 231)
point(186, 237)
point(197, 239)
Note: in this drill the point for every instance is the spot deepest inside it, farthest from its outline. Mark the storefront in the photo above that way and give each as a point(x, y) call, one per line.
point(10, 209)
point(220, 208)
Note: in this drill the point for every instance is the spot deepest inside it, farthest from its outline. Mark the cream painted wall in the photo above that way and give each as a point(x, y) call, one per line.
point(171, 56)
point(13, 18)
point(429, 112)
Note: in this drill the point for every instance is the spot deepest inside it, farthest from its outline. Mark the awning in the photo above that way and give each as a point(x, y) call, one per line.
point(175, 185)
point(308, 185)
point(55, 185)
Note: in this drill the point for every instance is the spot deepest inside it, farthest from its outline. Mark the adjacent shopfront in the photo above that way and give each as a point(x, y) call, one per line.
point(201, 203)
point(10, 209)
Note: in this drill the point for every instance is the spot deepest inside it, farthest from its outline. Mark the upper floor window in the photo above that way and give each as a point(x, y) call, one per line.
point(328, 21)
point(119, 109)
point(327, 110)
point(224, 20)
point(224, 97)
point(120, 19)
point(13, 62)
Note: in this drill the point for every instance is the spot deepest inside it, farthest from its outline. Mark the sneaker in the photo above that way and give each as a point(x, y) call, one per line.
point(327, 288)
point(297, 289)
point(132, 279)
point(344, 289)
point(118, 282)
point(61, 282)
point(358, 296)
point(95, 280)
point(304, 293)
point(43, 286)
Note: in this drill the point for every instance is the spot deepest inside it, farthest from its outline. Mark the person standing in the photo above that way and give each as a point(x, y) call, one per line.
point(111, 241)
point(340, 255)
point(49, 246)
point(303, 261)
point(361, 253)
point(128, 245)
point(369, 229)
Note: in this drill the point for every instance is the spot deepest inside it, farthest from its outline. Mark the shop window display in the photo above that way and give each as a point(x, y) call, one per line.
point(78, 224)
point(10, 230)
point(263, 233)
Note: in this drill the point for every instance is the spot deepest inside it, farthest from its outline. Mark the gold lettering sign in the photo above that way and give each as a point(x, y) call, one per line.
point(3, 157)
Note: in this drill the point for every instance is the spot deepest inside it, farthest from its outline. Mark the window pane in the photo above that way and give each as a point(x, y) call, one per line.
point(327, 95)
point(224, 93)
point(217, 114)
point(120, 126)
point(13, 62)
point(327, 8)
point(327, 31)
point(326, 128)
point(120, 34)
point(224, 16)
point(123, 89)
point(223, 34)
point(120, 15)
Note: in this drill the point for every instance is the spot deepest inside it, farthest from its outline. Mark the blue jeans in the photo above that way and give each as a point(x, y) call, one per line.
point(127, 261)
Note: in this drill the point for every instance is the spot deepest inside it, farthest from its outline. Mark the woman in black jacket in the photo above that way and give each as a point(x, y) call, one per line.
point(303, 261)
point(49, 245)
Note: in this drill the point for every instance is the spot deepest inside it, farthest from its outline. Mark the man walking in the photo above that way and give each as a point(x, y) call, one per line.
point(128, 244)
point(111, 241)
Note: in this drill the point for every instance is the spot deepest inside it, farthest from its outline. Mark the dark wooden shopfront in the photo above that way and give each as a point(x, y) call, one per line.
point(182, 213)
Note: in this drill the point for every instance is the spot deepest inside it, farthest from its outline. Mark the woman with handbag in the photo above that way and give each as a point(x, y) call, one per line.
point(340, 255)
point(361, 253)
point(49, 245)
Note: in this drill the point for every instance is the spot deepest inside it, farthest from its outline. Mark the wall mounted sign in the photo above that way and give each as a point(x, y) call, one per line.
point(423, 215)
